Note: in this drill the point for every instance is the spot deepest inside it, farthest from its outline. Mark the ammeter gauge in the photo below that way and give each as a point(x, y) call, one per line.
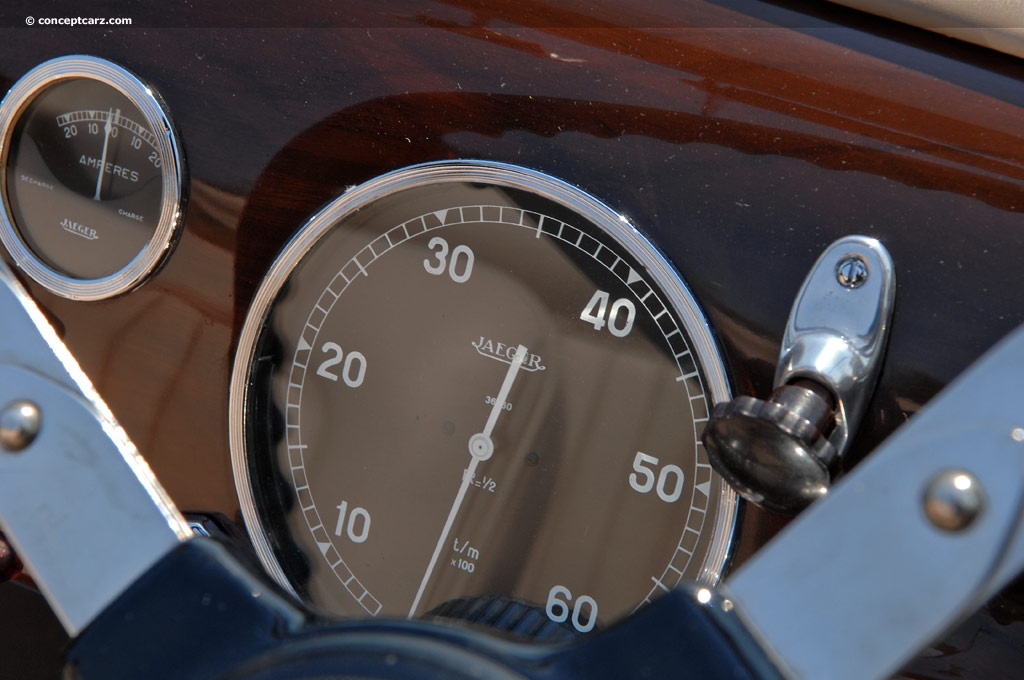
point(474, 380)
point(92, 178)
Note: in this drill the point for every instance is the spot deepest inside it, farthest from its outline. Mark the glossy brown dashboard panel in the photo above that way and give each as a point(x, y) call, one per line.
point(741, 136)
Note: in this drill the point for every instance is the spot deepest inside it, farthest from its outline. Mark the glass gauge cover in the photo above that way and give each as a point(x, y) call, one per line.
point(471, 379)
point(92, 177)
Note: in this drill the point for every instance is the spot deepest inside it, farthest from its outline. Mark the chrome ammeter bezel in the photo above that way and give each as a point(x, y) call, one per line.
point(161, 145)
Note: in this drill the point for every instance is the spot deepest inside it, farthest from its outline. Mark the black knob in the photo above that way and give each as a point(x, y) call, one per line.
point(775, 453)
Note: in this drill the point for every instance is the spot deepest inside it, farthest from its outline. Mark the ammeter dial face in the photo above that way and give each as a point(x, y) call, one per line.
point(91, 177)
point(473, 379)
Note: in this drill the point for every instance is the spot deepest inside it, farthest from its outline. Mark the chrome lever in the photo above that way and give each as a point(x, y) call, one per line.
point(782, 452)
point(918, 536)
point(71, 481)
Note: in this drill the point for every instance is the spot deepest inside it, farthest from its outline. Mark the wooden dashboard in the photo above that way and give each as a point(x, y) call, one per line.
point(742, 137)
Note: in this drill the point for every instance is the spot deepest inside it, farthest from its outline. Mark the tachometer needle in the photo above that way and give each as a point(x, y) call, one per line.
point(481, 447)
point(103, 160)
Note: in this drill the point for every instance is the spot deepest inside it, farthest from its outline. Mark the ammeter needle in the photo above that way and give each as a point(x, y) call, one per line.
point(103, 159)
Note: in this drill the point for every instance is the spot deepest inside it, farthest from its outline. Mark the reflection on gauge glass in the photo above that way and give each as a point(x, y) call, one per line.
point(470, 379)
point(92, 178)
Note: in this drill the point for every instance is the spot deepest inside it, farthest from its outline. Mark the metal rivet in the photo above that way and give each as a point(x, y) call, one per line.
point(19, 425)
point(953, 500)
point(852, 271)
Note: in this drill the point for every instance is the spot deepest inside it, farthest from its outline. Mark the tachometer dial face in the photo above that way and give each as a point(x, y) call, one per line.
point(472, 379)
point(91, 177)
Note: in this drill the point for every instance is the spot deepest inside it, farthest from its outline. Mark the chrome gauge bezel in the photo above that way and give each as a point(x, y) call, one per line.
point(168, 146)
point(432, 174)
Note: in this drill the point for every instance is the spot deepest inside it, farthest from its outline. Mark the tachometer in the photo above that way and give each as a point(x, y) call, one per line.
point(472, 379)
point(92, 177)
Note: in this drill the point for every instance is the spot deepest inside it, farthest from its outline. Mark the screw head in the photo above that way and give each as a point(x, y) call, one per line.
point(19, 424)
point(953, 500)
point(852, 271)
